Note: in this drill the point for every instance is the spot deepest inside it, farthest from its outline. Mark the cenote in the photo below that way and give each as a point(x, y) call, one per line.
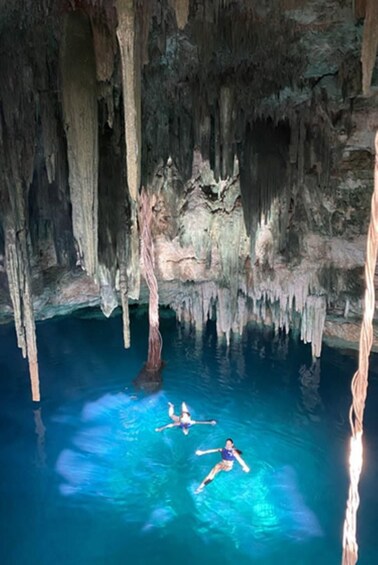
point(85, 479)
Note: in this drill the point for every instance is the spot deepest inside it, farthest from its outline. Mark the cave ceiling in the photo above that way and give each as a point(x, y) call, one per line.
point(251, 123)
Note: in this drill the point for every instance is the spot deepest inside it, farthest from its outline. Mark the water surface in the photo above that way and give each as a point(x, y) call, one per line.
point(85, 479)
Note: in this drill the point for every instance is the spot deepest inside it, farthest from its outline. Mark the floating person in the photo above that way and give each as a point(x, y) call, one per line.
point(183, 421)
point(228, 453)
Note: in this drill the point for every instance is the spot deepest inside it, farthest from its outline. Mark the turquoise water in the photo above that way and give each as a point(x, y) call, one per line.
point(85, 479)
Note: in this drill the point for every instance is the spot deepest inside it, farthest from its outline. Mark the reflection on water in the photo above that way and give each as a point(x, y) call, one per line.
point(115, 491)
point(309, 384)
point(40, 432)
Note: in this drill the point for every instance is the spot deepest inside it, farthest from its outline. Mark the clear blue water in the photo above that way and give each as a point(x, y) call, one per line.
point(85, 479)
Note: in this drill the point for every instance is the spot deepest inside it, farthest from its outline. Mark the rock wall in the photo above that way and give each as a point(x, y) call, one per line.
point(252, 123)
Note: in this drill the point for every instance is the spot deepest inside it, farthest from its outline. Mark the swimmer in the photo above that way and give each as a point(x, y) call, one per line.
point(183, 421)
point(228, 453)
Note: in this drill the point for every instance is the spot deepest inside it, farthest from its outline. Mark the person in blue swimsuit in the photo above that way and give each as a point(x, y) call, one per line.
point(183, 421)
point(228, 453)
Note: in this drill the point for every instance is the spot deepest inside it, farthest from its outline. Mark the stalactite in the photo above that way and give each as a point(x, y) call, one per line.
point(217, 147)
point(46, 107)
point(128, 42)
point(301, 151)
point(108, 296)
point(224, 315)
point(313, 320)
point(195, 311)
point(104, 50)
point(145, 12)
point(294, 138)
point(13, 271)
point(181, 142)
point(122, 282)
point(226, 130)
point(264, 173)
point(276, 297)
point(181, 8)
point(123, 289)
point(49, 130)
point(202, 126)
point(18, 272)
point(230, 220)
point(81, 125)
point(321, 127)
point(280, 302)
point(346, 309)
point(242, 315)
point(369, 44)
point(133, 268)
point(219, 121)
point(204, 135)
point(208, 293)
point(127, 34)
point(17, 154)
point(41, 221)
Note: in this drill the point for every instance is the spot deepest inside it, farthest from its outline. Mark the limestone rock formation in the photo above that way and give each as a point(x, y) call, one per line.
point(251, 122)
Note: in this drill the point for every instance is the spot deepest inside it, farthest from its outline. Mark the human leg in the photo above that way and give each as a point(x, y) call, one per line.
point(214, 471)
point(171, 412)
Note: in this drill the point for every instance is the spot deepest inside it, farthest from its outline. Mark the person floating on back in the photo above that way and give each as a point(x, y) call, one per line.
point(228, 453)
point(183, 421)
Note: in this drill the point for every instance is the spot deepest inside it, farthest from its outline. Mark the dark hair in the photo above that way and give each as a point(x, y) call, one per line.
point(185, 412)
point(232, 441)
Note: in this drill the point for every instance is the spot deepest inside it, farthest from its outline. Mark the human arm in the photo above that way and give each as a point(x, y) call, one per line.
point(173, 425)
point(243, 464)
point(209, 422)
point(200, 452)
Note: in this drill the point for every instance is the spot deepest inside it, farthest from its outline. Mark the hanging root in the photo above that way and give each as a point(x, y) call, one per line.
point(151, 373)
point(360, 381)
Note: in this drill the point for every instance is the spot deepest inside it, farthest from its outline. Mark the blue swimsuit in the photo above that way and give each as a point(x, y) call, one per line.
point(228, 454)
point(185, 425)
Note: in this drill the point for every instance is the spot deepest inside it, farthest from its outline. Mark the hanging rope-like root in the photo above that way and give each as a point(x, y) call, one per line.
point(360, 381)
point(147, 254)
